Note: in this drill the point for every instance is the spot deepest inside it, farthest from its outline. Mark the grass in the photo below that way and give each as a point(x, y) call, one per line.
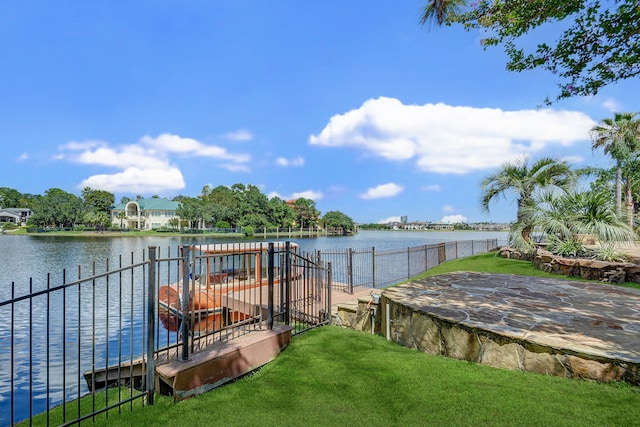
point(491, 263)
point(333, 376)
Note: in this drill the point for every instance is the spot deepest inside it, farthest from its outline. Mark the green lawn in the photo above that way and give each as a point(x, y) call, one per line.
point(491, 263)
point(337, 377)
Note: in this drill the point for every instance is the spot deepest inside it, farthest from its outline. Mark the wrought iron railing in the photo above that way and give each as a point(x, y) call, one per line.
point(66, 343)
point(353, 269)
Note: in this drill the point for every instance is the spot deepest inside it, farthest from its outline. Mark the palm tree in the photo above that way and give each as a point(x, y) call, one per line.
point(121, 216)
point(520, 179)
point(620, 138)
point(588, 212)
point(440, 11)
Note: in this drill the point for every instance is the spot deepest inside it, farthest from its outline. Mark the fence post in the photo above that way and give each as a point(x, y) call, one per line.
point(287, 289)
point(442, 253)
point(373, 265)
point(330, 280)
point(184, 255)
point(350, 269)
point(426, 257)
point(151, 325)
point(408, 263)
point(473, 248)
point(270, 287)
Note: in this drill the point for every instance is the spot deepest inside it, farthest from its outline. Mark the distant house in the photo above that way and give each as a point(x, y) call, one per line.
point(443, 227)
point(144, 214)
point(417, 225)
point(17, 216)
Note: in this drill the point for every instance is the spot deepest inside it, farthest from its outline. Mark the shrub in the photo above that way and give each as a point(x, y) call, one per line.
point(609, 252)
point(223, 224)
point(567, 248)
point(249, 231)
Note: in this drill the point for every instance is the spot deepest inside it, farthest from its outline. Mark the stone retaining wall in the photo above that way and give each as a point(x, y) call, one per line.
point(358, 315)
point(430, 334)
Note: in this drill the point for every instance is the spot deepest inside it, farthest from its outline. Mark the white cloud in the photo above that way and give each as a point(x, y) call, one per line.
point(239, 135)
point(176, 144)
point(136, 180)
point(148, 166)
point(453, 219)
point(611, 105)
point(441, 138)
point(448, 209)
point(572, 160)
point(384, 190)
point(22, 157)
point(297, 161)
point(308, 194)
point(431, 187)
point(388, 220)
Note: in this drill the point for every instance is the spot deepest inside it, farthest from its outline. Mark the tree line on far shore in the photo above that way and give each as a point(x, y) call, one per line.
point(238, 206)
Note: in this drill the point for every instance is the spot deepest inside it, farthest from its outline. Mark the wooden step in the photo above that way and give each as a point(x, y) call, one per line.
point(221, 362)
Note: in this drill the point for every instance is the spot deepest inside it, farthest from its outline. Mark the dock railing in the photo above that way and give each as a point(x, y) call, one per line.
point(88, 339)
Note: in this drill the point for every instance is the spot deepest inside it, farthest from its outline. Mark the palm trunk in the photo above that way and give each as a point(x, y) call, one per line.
point(629, 203)
point(619, 190)
point(526, 229)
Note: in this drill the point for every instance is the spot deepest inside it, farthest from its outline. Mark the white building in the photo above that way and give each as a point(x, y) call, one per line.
point(144, 214)
point(18, 216)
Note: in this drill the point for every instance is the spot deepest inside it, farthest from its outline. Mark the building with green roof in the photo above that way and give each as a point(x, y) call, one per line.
point(144, 214)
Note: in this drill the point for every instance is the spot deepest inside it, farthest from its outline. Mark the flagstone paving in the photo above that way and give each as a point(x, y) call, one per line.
point(553, 318)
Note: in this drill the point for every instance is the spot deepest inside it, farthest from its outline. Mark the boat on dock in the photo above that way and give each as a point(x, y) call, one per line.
point(215, 271)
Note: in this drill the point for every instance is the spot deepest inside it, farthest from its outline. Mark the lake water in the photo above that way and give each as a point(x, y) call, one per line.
point(28, 260)
point(24, 257)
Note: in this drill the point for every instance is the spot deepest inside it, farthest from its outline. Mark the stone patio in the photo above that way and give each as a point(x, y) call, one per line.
point(551, 326)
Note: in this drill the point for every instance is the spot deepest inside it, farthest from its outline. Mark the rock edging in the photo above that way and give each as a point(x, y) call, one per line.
point(583, 268)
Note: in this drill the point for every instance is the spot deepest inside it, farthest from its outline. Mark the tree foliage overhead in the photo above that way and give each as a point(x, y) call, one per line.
point(596, 43)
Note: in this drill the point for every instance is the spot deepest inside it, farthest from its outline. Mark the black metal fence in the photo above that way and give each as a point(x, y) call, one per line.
point(98, 334)
point(361, 268)
point(88, 341)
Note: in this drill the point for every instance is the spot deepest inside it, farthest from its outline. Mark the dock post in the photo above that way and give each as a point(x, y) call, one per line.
point(151, 325)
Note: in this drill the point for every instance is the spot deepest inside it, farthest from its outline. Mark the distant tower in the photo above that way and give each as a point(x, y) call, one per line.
point(403, 219)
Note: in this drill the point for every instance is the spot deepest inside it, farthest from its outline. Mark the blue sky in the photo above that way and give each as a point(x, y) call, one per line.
point(351, 104)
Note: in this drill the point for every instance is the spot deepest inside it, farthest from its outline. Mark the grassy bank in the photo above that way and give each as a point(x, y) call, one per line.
point(491, 263)
point(334, 376)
